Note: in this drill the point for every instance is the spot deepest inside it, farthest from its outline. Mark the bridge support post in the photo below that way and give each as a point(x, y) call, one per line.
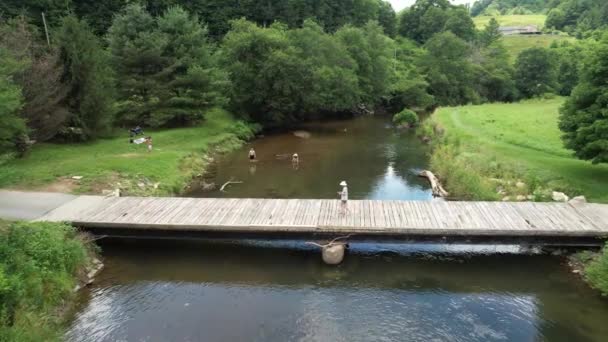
point(333, 254)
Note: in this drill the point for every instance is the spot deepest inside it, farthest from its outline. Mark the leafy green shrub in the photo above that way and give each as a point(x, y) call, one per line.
point(38, 268)
point(459, 176)
point(597, 272)
point(406, 117)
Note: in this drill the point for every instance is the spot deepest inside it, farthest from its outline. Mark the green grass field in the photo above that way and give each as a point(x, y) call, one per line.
point(518, 43)
point(523, 137)
point(512, 20)
point(177, 155)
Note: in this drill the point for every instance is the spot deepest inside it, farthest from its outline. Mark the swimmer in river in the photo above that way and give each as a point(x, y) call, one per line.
point(252, 155)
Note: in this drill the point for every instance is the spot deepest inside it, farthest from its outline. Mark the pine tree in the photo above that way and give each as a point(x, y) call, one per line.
point(490, 33)
point(88, 76)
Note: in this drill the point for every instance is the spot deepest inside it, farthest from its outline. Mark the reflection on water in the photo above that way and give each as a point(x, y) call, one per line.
point(200, 291)
point(377, 161)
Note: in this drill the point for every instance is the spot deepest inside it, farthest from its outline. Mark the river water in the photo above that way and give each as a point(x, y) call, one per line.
point(171, 290)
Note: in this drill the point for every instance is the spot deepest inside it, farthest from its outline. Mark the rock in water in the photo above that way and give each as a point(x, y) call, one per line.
point(302, 134)
point(333, 254)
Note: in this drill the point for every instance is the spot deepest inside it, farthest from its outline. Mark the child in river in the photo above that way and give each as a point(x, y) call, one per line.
point(252, 155)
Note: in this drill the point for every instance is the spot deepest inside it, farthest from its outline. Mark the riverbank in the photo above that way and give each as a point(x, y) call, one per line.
point(592, 267)
point(107, 164)
point(509, 152)
point(40, 265)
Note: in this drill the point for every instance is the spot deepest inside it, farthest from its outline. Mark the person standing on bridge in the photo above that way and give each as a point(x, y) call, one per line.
point(343, 197)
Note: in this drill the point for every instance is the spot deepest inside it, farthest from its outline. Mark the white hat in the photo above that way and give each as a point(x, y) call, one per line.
point(343, 183)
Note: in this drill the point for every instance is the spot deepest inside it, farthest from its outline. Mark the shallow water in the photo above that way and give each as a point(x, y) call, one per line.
point(199, 291)
point(376, 160)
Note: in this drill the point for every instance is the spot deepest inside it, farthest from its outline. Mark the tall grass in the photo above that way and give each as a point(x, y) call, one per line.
point(39, 263)
point(596, 272)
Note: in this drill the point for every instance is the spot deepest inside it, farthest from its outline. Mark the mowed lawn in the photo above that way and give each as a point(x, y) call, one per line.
point(512, 20)
point(525, 134)
point(117, 158)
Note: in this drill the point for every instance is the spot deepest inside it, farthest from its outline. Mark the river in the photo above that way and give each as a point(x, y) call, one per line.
point(171, 290)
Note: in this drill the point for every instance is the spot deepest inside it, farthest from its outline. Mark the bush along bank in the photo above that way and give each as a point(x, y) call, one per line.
point(593, 267)
point(41, 264)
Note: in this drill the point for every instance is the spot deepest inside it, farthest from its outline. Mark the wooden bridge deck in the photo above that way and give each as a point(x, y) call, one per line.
point(367, 217)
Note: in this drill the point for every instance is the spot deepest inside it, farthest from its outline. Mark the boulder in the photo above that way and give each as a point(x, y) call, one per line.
point(559, 196)
point(520, 185)
point(521, 198)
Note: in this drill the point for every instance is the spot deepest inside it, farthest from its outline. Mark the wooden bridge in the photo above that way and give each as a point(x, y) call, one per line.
point(497, 222)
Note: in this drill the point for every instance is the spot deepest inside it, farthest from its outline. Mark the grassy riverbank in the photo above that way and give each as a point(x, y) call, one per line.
point(40, 264)
point(487, 150)
point(178, 155)
point(593, 267)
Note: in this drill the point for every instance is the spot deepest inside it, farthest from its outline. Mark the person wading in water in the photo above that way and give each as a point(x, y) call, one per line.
point(252, 155)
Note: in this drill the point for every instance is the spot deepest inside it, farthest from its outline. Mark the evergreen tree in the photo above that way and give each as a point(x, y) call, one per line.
point(136, 48)
point(190, 84)
point(490, 33)
point(583, 117)
point(87, 73)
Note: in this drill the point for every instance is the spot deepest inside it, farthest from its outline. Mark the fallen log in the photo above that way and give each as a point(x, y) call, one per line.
point(436, 188)
point(228, 183)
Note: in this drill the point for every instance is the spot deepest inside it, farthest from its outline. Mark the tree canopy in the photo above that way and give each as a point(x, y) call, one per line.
point(584, 116)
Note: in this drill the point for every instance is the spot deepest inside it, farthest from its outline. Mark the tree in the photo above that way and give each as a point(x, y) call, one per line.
point(11, 125)
point(190, 83)
point(448, 70)
point(490, 33)
point(44, 95)
point(136, 49)
point(494, 73)
point(165, 68)
point(372, 52)
point(535, 72)
point(583, 117)
point(387, 18)
point(460, 23)
point(409, 89)
point(87, 73)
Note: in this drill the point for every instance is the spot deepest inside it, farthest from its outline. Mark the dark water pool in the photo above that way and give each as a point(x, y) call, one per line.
point(176, 291)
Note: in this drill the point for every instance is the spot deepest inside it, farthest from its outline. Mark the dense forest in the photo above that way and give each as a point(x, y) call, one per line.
point(504, 7)
point(165, 63)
